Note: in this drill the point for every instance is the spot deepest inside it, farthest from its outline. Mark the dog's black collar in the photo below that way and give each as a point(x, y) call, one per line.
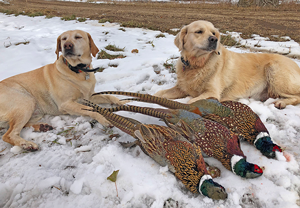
point(185, 62)
point(80, 67)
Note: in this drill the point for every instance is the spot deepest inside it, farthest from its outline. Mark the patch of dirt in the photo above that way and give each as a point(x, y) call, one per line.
point(283, 20)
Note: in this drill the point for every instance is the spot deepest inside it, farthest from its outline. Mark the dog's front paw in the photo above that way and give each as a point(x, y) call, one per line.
point(160, 93)
point(280, 104)
point(104, 122)
point(45, 127)
point(29, 146)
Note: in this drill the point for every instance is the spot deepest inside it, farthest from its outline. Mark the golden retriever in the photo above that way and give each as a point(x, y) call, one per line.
point(53, 89)
point(208, 69)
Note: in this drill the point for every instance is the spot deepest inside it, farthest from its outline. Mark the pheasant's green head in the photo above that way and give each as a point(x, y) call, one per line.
point(211, 189)
point(245, 169)
point(266, 146)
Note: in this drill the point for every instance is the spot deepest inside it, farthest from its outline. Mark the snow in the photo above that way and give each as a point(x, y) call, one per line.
point(74, 160)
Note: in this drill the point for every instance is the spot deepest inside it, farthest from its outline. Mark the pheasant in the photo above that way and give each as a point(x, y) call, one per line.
point(214, 139)
point(167, 147)
point(236, 116)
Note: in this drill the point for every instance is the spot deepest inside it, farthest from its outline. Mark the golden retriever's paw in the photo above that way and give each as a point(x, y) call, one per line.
point(160, 93)
point(45, 127)
point(193, 100)
point(280, 104)
point(104, 122)
point(29, 146)
point(42, 127)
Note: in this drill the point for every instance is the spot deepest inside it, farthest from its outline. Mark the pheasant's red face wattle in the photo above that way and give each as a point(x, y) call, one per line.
point(257, 169)
point(277, 148)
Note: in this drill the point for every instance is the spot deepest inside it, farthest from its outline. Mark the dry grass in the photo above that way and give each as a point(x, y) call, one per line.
point(265, 21)
point(104, 55)
point(113, 48)
point(228, 40)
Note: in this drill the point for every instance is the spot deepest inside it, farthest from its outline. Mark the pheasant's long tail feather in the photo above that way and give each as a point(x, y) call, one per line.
point(151, 99)
point(125, 124)
point(155, 112)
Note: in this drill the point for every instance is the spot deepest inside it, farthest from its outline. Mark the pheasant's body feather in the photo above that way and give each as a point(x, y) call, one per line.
point(214, 139)
point(169, 148)
point(237, 117)
point(252, 128)
point(247, 122)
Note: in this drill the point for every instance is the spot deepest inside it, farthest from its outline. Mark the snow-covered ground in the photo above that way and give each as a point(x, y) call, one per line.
point(71, 168)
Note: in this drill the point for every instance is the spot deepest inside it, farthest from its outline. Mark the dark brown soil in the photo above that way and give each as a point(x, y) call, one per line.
point(282, 21)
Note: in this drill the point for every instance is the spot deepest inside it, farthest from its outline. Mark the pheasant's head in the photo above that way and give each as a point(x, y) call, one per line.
point(244, 169)
point(266, 146)
point(211, 189)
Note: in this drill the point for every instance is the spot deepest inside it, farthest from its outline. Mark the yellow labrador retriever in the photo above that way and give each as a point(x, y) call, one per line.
point(53, 89)
point(208, 69)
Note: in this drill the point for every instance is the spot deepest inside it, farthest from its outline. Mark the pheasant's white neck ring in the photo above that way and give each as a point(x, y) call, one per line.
point(234, 160)
point(203, 178)
point(261, 135)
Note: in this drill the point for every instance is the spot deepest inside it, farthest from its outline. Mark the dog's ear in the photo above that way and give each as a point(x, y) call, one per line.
point(179, 39)
point(94, 49)
point(58, 46)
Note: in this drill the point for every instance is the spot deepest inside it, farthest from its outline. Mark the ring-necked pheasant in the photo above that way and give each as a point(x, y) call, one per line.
point(214, 139)
point(236, 116)
point(167, 147)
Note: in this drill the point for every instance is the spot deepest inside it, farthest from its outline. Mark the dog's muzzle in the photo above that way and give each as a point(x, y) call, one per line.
point(68, 49)
point(212, 43)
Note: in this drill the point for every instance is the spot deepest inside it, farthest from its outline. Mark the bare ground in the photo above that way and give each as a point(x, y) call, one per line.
point(282, 21)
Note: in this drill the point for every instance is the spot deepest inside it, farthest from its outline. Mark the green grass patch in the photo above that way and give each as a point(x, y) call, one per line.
point(170, 64)
point(113, 48)
point(113, 65)
point(104, 55)
point(132, 23)
point(34, 14)
point(68, 18)
point(151, 43)
point(104, 20)
point(49, 16)
point(81, 19)
point(160, 36)
point(101, 69)
point(8, 12)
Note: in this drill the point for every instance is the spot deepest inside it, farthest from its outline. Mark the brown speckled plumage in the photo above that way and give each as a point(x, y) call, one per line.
point(214, 139)
point(247, 122)
point(164, 145)
point(237, 117)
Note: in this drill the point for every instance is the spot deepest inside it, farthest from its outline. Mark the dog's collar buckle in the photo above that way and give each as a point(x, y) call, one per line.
point(186, 63)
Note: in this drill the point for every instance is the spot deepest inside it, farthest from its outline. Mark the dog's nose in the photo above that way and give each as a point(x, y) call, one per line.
point(212, 43)
point(68, 45)
point(213, 39)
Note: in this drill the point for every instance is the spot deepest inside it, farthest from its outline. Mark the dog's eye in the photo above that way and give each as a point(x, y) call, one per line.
point(214, 33)
point(78, 37)
point(199, 31)
point(64, 38)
